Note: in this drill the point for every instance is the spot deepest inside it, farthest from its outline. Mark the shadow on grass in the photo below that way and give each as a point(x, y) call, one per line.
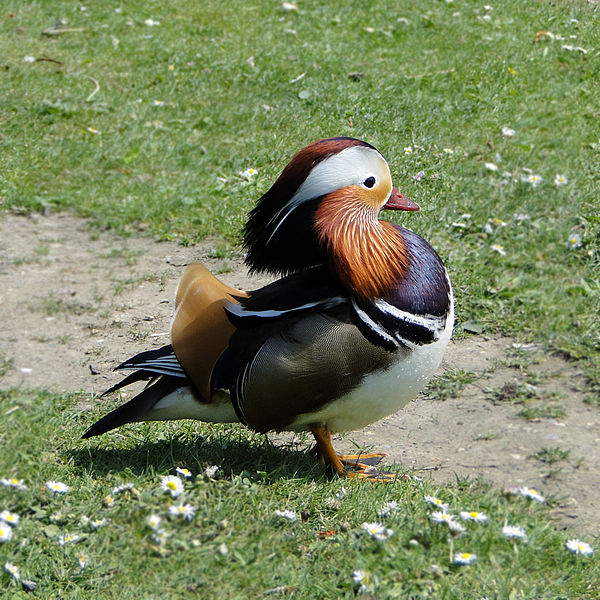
point(235, 453)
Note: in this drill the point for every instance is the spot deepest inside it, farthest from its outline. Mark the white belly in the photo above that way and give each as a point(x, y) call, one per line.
point(382, 393)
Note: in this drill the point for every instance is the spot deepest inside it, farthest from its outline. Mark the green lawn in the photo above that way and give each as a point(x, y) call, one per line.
point(146, 126)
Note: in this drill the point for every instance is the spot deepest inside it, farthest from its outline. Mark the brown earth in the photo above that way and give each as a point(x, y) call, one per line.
point(73, 304)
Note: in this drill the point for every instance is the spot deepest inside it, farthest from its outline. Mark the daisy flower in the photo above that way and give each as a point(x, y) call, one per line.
point(122, 488)
point(408, 150)
point(560, 180)
point(223, 550)
point(387, 508)
point(473, 515)
point(9, 518)
point(578, 547)
point(530, 493)
point(248, 173)
point(533, 179)
point(151, 22)
point(82, 559)
point(108, 501)
point(187, 511)
point(490, 166)
point(211, 471)
point(499, 248)
point(5, 532)
point(512, 532)
point(508, 132)
point(439, 516)
point(153, 521)
point(361, 579)
point(574, 241)
point(172, 485)
point(160, 536)
point(436, 502)
point(449, 151)
point(57, 487)
point(377, 531)
point(12, 570)
point(464, 558)
point(97, 523)
point(68, 538)
point(287, 514)
point(185, 473)
point(13, 482)
point(29, 59)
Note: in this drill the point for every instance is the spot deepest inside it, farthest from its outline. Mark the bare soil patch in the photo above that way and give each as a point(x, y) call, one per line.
point(73, 305)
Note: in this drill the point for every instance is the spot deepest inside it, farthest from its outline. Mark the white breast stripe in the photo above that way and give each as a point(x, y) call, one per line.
point(378, 329)
point(434, 324)
point(239, 311)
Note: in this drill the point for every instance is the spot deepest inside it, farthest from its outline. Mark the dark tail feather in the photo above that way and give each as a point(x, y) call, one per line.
point(132, 378)
point(136, 408)
point(161, 361)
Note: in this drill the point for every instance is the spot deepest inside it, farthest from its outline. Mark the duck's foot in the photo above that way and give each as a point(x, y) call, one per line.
point(359, 466)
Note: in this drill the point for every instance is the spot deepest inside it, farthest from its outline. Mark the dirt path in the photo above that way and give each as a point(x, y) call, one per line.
point(73, 305)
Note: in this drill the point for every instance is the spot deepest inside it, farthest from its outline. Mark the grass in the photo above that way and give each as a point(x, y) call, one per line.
point(236, 546)
point(147, 129)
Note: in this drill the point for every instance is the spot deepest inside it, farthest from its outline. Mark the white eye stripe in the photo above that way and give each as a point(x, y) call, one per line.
point(351, 166)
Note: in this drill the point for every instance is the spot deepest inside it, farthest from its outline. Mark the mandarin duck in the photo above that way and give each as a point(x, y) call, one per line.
point(352, 330)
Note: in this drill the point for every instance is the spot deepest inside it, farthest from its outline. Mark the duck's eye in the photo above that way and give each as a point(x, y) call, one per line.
point(369, 182)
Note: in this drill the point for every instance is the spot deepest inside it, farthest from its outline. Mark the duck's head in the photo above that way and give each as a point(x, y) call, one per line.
point(330, 185)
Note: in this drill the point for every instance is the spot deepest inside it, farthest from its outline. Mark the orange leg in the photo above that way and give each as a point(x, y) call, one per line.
point(364, 464)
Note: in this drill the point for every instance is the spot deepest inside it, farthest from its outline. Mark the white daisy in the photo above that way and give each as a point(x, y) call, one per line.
point(408, 150)
point(473, 515)
point(490, 166)
point(211, 471)
point(8, 517)
point(508, 132)
point(560, 180)
point(13, 482)
point(29, 59)
point(449, 151)
point(82, 559)
point(223, 550)
point(248, 173)
point(287, 514)
point(378, 531)
point(68, 538)
point(97, 523)
point(151, 22)
point(436, 502)
point(57, 487)
point(160, 536)
point(12, 570)
point(530, 493)
point(187, 511)
point(439, 516)
point(122, 488)
point(533, 179)
point(387, 508)
point(153, 521)
point(574, 241)
point(5, 532)
point(172, 485)
point(185, 473)
point(464, 558)
point(499, 248)
point(108, 501)
point(514, 532)
point(361, 579)
point(578, 547)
